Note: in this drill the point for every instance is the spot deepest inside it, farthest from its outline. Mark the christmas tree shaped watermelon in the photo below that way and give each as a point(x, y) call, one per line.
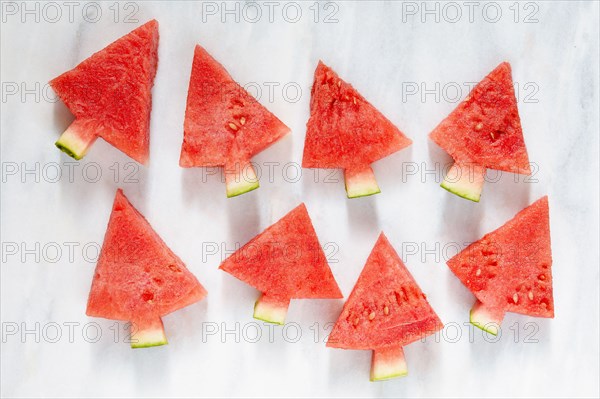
point(385, 311)
point(224, 125)
point(509, 269)
point(138, 278)
point(284, 262)
point(483, 132)
point(110, 95)
point(346, 132)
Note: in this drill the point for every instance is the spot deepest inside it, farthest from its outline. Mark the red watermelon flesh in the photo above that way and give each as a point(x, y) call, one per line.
point(224, 125)
point(386, 307)
point(485, 129)
point(509, 269)
point(110, 95)
point(345, 131)
point(284, 262)
point(138, 278)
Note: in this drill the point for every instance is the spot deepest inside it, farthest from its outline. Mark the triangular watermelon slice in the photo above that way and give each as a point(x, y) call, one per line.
point(110, 95)
point(385, 311)
point(224, 125)
point(483, 132)
point(284, 262)
point(346, 132)
point(138, 278)
point(509, 269)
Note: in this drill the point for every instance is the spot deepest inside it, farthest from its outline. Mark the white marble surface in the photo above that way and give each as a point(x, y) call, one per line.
point(386, 52)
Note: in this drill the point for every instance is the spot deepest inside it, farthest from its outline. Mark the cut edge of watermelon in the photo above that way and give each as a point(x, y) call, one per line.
point(240, 179)
point(465, 180)
point(360, 183)
point(76, 140)
point(148, 334)
point(486, 318)
point(271, 310)
point(388, 363)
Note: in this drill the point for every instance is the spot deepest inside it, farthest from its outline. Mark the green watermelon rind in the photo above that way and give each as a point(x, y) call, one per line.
point(462, 191)
point(70, 147)
point(66, 148)
point(388, 376)
point(242, 187)
point(363, 191)
point(268, 319)
point(148, 338)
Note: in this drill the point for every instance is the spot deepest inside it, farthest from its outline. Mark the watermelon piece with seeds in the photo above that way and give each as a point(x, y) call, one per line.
point(346, 132)
point(284, 262)
point(385, 312)
point(509, 269)
point(224, 125)
point(138, 278)
point(483, 132)
point(110, 95)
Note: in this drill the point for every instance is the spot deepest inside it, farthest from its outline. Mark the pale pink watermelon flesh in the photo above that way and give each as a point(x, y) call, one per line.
point(360, 183)
point(138, 278)
point(240, 178)
point(485, 129)
point(388, 363)
point(509, 269)
point(386, 309)
point(465, 180)
point(224, 125)
point(147, 333)
point(110, 95)
point(345, 131)
point(270, 309)
point(284, 262)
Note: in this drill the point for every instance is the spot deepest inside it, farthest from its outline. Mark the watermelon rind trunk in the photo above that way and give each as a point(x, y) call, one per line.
point(360, 183)
point(148, 334)
point(486, 318)
point(76, 140)
point(388, 363)
point(240, 179)
point(465, 180)
point(271, 310)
